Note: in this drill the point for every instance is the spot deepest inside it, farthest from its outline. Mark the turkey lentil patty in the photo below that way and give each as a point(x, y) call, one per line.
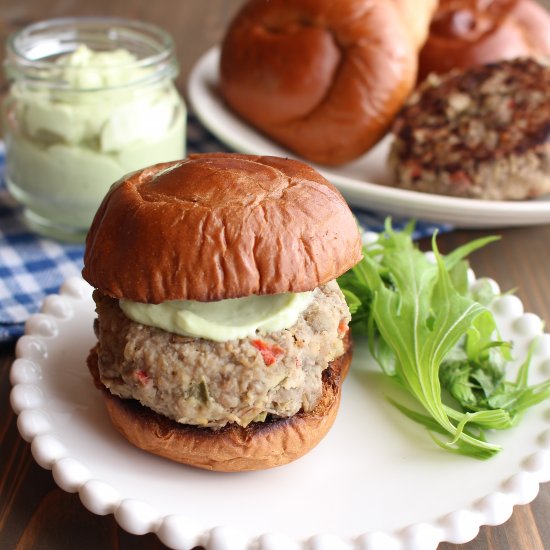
point(481, 133)
point(206, 383)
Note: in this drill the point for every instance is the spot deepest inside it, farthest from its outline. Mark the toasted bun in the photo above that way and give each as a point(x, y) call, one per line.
point(465, 33)
point(322, 77)
point(219, 226)
point(259, 446)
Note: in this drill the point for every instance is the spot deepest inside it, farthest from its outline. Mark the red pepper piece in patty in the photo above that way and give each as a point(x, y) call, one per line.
point(270, 352)
point(459, 177)
point(342, 327)
point(141, 376)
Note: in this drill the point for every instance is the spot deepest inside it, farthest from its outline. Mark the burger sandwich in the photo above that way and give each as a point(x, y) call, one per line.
point(222, 333)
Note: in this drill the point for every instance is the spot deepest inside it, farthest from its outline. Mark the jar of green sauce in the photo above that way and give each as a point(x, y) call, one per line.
point(90, 100)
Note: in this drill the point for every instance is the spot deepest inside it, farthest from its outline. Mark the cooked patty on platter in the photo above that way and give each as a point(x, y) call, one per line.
point(479, 133)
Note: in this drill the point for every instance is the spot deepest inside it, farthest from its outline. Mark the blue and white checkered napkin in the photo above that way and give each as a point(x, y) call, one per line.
point(32, 267)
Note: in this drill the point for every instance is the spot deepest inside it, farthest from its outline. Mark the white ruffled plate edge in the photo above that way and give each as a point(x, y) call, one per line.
point(179, 532)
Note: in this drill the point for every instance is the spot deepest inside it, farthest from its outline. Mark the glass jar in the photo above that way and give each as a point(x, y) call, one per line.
point(91, 99)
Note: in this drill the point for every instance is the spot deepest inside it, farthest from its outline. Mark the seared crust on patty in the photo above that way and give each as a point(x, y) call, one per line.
point(480, 133)
point(260, 445)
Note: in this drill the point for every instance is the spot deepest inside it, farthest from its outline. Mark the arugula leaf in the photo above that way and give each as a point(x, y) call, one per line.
point(433, 338)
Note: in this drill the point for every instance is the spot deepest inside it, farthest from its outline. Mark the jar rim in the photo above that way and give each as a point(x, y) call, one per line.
point(33, 50)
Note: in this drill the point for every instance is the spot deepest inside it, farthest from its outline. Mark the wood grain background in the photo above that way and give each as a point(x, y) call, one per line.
point(34, 513)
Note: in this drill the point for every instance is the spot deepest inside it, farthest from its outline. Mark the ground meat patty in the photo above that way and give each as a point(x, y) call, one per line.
point(481, 133)
point(207, 383)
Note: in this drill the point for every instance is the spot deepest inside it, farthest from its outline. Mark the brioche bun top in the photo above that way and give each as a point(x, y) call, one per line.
point(219, 226)
point(466, 33)
point(323, 78)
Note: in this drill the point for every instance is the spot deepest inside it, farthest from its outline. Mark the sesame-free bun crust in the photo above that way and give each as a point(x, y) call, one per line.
point(260, 445)
point(466, 33)
point(219, 226)
point(417, 15)
point(322, 77)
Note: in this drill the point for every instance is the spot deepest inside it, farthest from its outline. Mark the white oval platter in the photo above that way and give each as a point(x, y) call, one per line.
point(359, 181)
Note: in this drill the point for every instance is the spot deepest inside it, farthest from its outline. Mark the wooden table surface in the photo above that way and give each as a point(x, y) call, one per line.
point(34, 513)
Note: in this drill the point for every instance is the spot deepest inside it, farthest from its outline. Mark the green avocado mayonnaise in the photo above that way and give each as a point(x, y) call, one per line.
point(74, 140)
point(223, 320)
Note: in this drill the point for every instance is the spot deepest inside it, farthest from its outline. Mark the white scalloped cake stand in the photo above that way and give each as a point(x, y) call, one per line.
point(376, 482)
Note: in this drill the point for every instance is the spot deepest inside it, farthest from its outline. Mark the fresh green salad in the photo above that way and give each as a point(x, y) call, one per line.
point(433, 337)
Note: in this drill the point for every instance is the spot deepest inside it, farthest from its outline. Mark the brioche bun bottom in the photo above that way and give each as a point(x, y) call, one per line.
point(259, 446)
